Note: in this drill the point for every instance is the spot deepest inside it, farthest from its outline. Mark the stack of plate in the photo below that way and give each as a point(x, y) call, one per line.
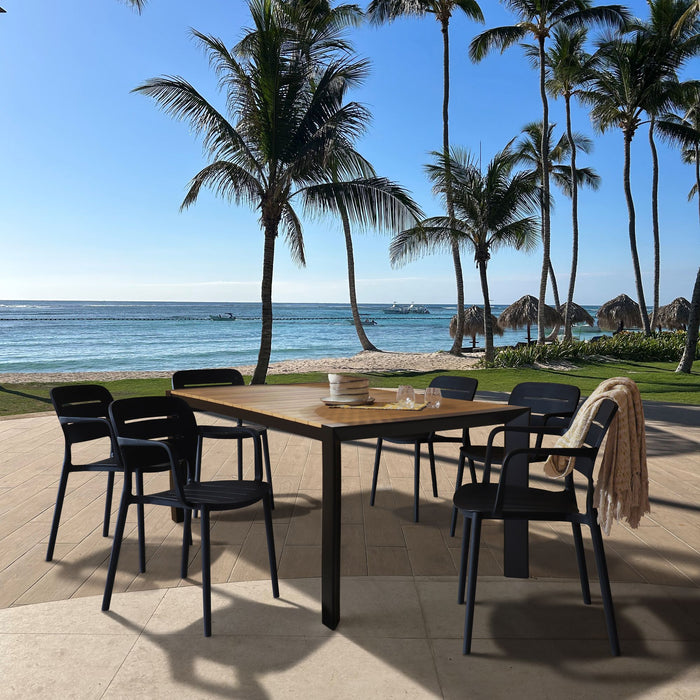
point(348, 389)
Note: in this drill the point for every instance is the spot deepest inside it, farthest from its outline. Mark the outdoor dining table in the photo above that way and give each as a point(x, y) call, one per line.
point(298, 409)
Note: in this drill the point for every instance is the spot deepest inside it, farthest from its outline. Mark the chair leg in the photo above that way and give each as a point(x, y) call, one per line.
point(433, 475)
point(581, 560)
point(458, 483)
point(57, 512)
point(471, 585)
point(416, 481)
point(605, 592)
point(240, 459)
point(198, 466)
point(377, 457)
point(267, 508)
point(206, 571)
point(462, 582)
point(140, 518)
point(186, 541)
point(117, 543)
point(108, 503)
point(268, 467)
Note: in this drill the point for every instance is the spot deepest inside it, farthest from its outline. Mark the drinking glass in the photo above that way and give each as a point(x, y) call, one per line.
point(432, 397)
point(406, 395)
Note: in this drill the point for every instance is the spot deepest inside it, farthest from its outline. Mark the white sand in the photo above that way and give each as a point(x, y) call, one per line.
point(366, 361)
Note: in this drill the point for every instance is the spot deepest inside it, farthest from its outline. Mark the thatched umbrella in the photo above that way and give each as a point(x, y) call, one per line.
point(618, 313)
point(524, 313)
point(578, 314)
point(675, 315)
point(474, 324)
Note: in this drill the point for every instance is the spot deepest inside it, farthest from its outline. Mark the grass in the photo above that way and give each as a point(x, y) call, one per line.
point(657, 381)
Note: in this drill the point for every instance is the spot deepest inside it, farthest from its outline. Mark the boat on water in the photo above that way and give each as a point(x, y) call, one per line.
point(406, 309)
point(223, 317)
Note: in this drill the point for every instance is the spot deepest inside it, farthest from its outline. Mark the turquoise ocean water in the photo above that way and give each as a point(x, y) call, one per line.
point(93, 336)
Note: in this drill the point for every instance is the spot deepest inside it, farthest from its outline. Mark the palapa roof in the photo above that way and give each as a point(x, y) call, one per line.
point(474, 323)
point(578, 314)
point(621, 308)
point(524, 313)
point(674, 316)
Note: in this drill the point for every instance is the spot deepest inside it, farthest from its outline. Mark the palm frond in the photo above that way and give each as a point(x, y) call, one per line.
point(500, 38)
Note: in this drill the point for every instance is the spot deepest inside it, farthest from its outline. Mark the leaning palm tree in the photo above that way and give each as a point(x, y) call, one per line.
point(691, 339)
point(569, 66)
point(629, 77)
point(380, 11)
point(492, 209)
point(291, 138)
point(538, 19)
point(528, 151)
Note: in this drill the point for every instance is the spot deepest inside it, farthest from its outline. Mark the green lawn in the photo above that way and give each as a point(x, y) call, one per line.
point(657, 381)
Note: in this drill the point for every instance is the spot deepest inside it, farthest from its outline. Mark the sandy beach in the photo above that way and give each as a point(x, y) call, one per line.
point(366, 361)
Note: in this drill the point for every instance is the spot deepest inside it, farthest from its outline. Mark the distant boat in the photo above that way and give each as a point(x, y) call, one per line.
point(223, 317)
point(418, 309)
point(396, 309)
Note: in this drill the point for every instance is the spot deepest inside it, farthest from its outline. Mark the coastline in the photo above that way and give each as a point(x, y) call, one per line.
point(365, 361)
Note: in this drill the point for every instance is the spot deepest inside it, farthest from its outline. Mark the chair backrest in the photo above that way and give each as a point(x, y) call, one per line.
point(550, 403)
point(165, 419)
point(220, 376)
point(84, 401)
point(456, 387)
point(595, 436)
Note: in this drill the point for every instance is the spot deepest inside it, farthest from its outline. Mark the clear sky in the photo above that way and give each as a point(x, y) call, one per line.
point(92, 175)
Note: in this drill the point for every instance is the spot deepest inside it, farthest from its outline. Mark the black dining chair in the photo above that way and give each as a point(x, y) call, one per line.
point(159, 434)
point(504, 501)
point(551, 405)
point(82, 413)
point(224, 376)
point(451, 387)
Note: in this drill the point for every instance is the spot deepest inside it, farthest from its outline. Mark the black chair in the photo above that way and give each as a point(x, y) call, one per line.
point(194, 378)
point(82, 413)
point(159, 434)
point(551, 405)
point(502, 501)
point(451, 387)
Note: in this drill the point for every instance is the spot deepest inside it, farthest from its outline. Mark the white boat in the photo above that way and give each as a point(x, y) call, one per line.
point(418, 309)
point(397, 309)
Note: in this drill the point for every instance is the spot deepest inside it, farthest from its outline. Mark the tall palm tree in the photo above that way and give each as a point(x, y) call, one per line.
point(492, 209)
point(291, 138)
point(691, 339)
point(673, 35)
point(528, 151)
point(629, 77)
point(380, 11)
point(538, 19)
point(569, 66)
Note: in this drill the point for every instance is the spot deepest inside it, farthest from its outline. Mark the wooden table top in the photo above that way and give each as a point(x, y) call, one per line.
point(278, 405)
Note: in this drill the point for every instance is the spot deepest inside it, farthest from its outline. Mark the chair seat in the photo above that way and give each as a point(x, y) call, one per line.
point(478, 453)
point(254, 426)
point(216, 495)
point(480, 498)
point(109, 464)
point(409, 439)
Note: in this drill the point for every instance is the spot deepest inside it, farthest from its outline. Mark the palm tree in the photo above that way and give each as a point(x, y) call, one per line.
point(538, 19)
point(528, 152)
point(629, 77)
point(291, 138)
point(691, 339)
point(380, 11)
point(569, 66)
point(673, 35)
point(491, 210)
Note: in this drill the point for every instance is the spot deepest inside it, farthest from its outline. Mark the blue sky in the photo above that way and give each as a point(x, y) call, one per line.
point(92, 175)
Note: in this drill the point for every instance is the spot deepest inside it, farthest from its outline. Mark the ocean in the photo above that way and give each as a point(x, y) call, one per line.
point(94, 336)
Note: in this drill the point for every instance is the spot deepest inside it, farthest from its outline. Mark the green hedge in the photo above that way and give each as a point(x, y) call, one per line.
point(659, 347)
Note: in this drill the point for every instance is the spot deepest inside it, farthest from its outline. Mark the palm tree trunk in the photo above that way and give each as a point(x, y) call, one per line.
point(364, 340)
point(555, 293)
point(655, 220)
point(574, 223)
point(691, 339)
point(697, 175)
point(633, 233)
point(545, 194)
point(266, 298)
point(459, 279)
point(488, 327)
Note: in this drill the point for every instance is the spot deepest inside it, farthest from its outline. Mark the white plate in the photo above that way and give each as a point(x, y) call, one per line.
point(348, 402)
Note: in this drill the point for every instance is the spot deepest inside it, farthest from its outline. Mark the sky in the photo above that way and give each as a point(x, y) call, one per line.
point(92, 175)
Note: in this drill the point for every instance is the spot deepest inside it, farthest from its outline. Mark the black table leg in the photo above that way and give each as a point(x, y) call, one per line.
point(330, 534)
point(515, 536)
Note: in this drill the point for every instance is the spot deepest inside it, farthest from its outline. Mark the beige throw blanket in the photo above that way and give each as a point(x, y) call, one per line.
point(622, 488)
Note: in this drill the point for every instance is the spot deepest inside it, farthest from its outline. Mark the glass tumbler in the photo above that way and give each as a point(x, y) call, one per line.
point(432, 397)
point(406, 395)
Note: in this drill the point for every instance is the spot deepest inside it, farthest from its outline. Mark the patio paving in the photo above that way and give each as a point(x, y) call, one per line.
point(400, 629)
